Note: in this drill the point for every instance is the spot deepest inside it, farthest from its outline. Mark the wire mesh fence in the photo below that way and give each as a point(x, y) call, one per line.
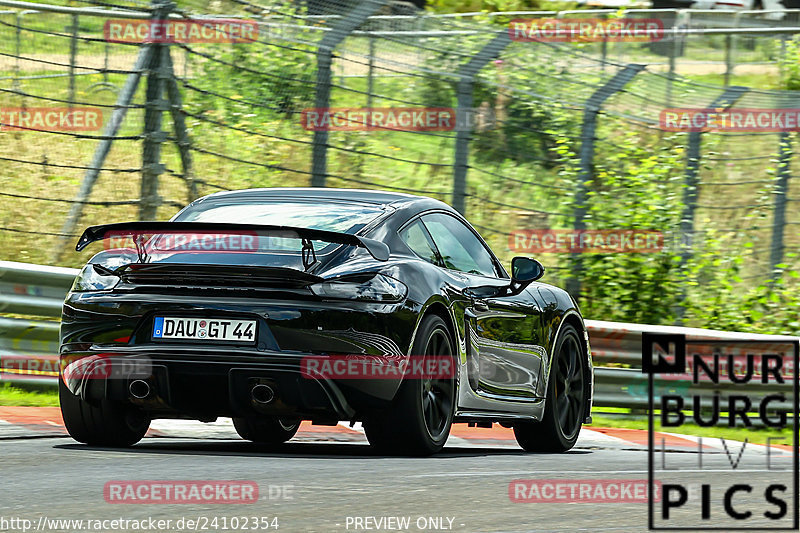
point(104, 121)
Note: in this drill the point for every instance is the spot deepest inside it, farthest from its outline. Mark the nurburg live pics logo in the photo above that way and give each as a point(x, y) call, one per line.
point(741, 383)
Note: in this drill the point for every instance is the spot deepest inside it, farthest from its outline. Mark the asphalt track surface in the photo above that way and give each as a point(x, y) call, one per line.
point(57, 478)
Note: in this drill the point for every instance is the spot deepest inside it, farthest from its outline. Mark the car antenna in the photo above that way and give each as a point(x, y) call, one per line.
point(309, 255)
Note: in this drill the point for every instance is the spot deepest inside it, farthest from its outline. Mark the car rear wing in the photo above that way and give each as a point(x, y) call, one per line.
point(376, 249)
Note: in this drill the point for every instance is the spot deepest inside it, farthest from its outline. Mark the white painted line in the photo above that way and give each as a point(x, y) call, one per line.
point(356, 427)
point(589, 437)
point(536, 474)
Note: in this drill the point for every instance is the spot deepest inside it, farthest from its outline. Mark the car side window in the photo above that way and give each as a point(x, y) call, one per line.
point(416, 238)
point(459, 247)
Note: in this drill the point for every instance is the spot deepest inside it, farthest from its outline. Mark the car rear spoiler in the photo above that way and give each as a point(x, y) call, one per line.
point(376, 249)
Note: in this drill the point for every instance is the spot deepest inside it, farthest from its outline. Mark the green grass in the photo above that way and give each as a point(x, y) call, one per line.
point(15, 396)
point(759, 81)
point(756, 436)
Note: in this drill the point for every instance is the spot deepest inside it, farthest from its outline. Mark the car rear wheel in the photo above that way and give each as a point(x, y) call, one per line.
point(419, 420)
point(103, 422)
point(266, 430)
point(565, 405)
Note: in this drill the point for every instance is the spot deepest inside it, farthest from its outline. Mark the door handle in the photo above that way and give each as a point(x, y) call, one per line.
point(480, 305)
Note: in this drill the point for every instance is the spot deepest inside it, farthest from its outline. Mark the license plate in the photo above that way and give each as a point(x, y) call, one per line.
point(205, 329)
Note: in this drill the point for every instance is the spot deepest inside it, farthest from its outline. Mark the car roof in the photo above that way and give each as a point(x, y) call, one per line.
point(322, 193)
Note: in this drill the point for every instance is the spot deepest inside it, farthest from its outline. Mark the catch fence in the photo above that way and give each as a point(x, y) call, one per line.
point(546, 135)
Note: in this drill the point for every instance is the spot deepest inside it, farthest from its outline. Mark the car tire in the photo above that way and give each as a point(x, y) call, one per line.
point(101, 423)
point(419, 419)
point(565, 405)
point(266, 430)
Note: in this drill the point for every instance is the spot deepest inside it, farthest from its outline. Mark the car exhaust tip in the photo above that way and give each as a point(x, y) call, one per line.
point(262, 394)
point(139, 389)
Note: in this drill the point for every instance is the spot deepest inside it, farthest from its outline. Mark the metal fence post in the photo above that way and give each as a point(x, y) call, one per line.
point(339, 31)
point(682, 20)
point(461, 156)
point(153, 135)
point(371, 72)
point(18, 37)
point(181, 133)
point(692, 182)
point(779, 213)
point(105, 63)
point(158, 75)
point(673, 51)
point(73, 54)
point(590, 111)
point(17, 47)
point(319, 152)
point(603, 54)
point(728, 59)
point(109, 132)
point(466, 79)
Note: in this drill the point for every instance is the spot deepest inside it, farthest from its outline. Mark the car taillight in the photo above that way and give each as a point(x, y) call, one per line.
point(100, 278)
point(378, 288)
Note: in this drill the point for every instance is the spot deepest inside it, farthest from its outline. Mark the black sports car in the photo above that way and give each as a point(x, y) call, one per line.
point(273, 306)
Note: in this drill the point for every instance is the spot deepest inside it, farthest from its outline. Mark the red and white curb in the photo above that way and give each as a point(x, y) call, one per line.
point(32, 422)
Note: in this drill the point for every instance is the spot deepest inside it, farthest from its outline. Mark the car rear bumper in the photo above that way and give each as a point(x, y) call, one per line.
point(190, 384)
point(204, 380)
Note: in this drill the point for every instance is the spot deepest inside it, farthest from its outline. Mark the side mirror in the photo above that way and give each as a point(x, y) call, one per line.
point(524, 271)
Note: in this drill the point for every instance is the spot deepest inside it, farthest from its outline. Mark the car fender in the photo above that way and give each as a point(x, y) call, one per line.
point(554, 317)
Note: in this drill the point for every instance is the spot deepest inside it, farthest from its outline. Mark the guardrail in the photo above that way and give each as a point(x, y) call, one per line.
point(32, 290)
point(37, 290)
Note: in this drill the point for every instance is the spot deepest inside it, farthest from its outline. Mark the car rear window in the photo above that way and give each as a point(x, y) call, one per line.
point(331, 216)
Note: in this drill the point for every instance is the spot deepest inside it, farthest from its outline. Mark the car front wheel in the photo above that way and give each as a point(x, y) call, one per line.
point(565, 406)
